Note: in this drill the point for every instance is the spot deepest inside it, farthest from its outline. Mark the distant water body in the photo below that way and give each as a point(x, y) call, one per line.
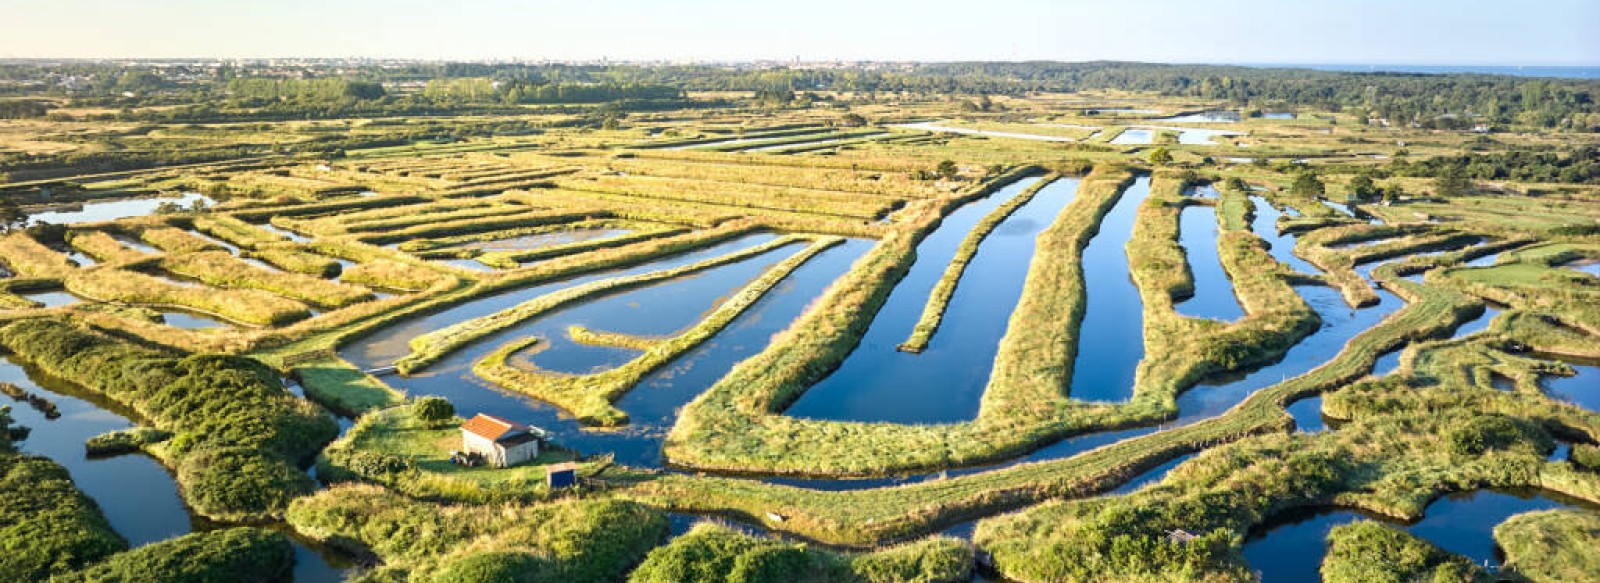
point(1565, 72)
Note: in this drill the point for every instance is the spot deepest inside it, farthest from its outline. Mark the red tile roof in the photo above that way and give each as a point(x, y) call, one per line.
point(491, 427)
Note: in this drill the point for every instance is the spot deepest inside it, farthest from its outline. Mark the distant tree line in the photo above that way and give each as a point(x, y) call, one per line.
point(1452, 101)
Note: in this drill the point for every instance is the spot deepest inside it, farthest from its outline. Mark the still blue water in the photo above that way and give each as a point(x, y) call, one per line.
point(1290, 547)
point(1111, 337)
point(945, 382)
point(1213, 290)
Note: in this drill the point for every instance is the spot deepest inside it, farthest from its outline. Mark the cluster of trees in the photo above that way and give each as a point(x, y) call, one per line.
point(480, 90)
point(22, 109)
point(320, 90)
point(1581, 166)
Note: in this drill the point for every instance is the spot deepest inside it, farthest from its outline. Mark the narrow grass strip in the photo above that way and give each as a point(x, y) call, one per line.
point(429, 348)
point(220, 268)
point(939, 299)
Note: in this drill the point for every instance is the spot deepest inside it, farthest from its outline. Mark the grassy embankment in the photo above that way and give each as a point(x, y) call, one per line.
point(712, 552)
point(589, 397)
point(231, 229)
point(220, 268)
point(429, 347)
point(238, 436)
point(1532, 279)
point(732, 427)
point(1385, 459)
point(939, 298)
point(295, 259)
point(1369, 551)
point(516, 258)
point(105, 249)
point(240, 305)
point(332, 380)
point(585, 336)
point(1553, 546)
point(580, 541)
point(47, 526)
point(875, 515)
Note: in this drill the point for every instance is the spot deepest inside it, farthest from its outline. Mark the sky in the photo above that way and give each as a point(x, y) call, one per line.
point(1427, 32)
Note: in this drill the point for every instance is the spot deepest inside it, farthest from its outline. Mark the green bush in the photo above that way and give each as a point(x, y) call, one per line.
point(1586, 456)
point(433, 410)
point(47, 526)
point(235, 555)
point(1368, 552)
point(1488, 432)
point(714, 553)
point(125, 440)
point(242, 480)
point(494, 567)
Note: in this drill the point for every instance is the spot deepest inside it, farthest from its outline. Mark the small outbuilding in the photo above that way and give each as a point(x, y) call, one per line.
point(500, 441)
point(562, 475)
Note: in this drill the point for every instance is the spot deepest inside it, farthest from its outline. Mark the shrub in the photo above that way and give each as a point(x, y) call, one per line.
point(46, 525)
point(434, 411)
point(235, 555)
point(1586, 456)
point(125, 440)
point(494, 567)
point(1480, 434)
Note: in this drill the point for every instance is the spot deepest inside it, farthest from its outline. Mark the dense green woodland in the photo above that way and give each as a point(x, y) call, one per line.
point(1550, 103)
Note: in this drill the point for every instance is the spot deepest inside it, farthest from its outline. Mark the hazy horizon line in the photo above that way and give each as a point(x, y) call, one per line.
point(623, 61)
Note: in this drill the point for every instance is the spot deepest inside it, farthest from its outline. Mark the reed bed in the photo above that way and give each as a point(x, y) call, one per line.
point(296, 260)
point(175, 240)
point(235, 231)
point(587, 337)
point(219, 268)
point(515, 259)
point(27, 257)
point(391, 274)
point(104, 248)
point(742, 196)
point(240, 305)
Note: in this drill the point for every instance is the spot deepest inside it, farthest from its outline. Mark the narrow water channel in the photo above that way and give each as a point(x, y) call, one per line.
point(1213, 290)
point(945, 382)
point(1111, 336)
point(652, 405)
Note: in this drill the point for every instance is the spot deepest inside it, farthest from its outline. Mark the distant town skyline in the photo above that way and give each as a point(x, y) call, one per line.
point(1264, 32)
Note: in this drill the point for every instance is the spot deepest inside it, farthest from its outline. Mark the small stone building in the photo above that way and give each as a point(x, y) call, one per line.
point(501, 442)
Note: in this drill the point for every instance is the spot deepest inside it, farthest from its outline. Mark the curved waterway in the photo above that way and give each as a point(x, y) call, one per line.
point(1280, 245)
point(1291, 547)
point(945, 382)
point(1213, 290)
point(1111, 336)
point(658, 309)
point(137, 495)
point(1211, 397)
